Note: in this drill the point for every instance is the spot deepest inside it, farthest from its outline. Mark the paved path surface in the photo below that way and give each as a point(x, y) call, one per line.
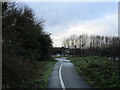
point(70, 78)
point(54, 81)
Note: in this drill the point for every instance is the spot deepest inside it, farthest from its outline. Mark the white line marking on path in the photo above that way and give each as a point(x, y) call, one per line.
point(60, 76)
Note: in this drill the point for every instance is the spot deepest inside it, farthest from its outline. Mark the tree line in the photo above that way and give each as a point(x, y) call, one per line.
point(24, 44)
point(23, 33)
point(93, 45)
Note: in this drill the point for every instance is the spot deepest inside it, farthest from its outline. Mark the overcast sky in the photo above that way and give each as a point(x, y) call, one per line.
point(66, 18)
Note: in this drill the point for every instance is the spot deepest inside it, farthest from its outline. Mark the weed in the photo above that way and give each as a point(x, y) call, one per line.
point(98, 71)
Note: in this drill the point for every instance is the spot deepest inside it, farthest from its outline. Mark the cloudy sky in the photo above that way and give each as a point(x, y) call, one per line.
point(67, 18)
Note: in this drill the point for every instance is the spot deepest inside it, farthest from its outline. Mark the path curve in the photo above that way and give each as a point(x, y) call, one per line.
point(64, 76)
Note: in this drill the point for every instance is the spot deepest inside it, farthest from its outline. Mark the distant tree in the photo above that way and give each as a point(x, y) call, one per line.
point(94, 44)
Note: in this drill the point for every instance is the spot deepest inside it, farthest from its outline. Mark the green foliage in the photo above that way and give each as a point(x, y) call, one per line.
point(41, 79)
point(24, 34)
point(98, 71)
point(25, 45)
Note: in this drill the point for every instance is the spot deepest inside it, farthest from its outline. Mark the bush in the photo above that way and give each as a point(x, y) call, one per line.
point(98, 71)
point(25, 45)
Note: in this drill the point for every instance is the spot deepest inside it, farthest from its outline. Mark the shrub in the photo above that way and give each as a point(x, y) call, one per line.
point(98, 71)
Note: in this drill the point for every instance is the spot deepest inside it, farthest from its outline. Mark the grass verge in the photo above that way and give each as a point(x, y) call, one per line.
point(41, 80)
point(98, 71)
point(27, 74)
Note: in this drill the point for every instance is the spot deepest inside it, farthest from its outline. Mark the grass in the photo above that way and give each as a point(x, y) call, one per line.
point(27, 74)
point(46, 72)
point(41, 80)
point(98, 71)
